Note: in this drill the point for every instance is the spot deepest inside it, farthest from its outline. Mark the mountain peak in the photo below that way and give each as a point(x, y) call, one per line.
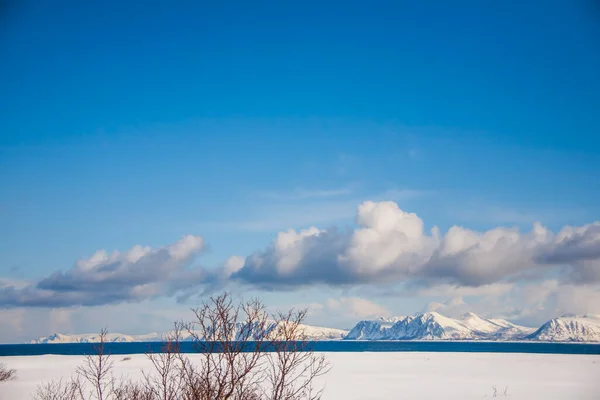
point(569, 328)
point(435, 326)
point(431, 314)
point(470, 314)
point(310, 333)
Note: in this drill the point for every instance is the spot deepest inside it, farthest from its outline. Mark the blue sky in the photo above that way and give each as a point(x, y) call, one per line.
point(138, 123)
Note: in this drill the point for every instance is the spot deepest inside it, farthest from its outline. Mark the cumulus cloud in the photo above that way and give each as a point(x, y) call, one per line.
point(137, 274)
point(529, 304)
point(476, 258)
point(343, 312)
point(356, 307)
point(451, 307)
point(296, 258)
point(391, 245)
point(573, 244)
point(390, 248)
point(579, 248)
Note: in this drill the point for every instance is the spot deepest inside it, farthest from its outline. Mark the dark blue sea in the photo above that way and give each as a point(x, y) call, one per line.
point(327, 346)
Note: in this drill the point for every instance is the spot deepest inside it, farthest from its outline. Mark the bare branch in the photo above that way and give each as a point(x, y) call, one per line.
point(59, 390)
point(245, 355)
point(96, 369)
point(7, 374)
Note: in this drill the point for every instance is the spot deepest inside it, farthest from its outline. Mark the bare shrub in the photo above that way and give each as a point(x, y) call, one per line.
point(293, 365)
point(6, 374)
point(232, 339)
point(128, 390)
point(59, 390)
point(166, 381)
point(498, 393)
point(245, 354)
point(96, 369)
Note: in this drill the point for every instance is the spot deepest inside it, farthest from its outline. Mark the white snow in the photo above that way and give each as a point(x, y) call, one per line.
point(427, 326)
point(570, 328)
point(372, 329)
point(386, 376)
point(95, 337)
point(310, 333)
point(322, 333)
point(434, 326)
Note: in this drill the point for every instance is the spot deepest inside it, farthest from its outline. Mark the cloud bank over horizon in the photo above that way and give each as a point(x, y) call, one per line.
point(389, 249)
point(390, 245)
point(137, 274)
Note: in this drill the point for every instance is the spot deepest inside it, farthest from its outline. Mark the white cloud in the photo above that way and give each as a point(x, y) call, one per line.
point(355, 307)
point(387, 236)
point(391, 245)
point(289, 248)
point(305, 194)
point(531, 303)
point(233, 265)
point(389, 250)
point(281, 215)
point(137, 274)
point(342, 312)
point(574, 244)
point(447, 290)
point(451, 307)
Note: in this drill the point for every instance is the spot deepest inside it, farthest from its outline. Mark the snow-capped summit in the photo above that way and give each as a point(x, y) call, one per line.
point(309, 332)
point(94, 338)
point(476, 323)
point(425, 326)
point(372, 329)
point(569, 328)
point(322, 333)
point(430, 325)
point(494, 328)
point(435, 326)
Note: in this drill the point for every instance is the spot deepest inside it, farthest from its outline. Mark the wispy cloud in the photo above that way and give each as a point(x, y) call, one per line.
point(342, 312)
point(283, 216)
point(496, 214)
point(285, 211)
point(305, 194)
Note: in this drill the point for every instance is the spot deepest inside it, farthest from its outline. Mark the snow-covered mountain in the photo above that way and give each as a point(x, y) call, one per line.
point(94, 338)
point(434, 326)
point(426, 326)
point(494, 328)
point(569, 328)
point(372, 329)
point(310, 333)
point(322, 333)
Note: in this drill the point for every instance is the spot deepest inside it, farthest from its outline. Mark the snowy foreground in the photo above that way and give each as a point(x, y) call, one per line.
point(392, 376)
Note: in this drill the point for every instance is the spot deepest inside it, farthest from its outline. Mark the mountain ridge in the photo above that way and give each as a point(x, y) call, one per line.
point(435, 326)
point(310, 332)
point(569, 328)
point(424, 326)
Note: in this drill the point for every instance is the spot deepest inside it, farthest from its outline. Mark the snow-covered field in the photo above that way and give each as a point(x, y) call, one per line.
point(393, 376)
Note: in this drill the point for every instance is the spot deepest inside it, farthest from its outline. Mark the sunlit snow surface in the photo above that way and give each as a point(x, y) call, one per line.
point(392, 376)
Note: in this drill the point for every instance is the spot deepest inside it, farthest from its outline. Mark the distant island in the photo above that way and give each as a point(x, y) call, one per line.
point(425, 326)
